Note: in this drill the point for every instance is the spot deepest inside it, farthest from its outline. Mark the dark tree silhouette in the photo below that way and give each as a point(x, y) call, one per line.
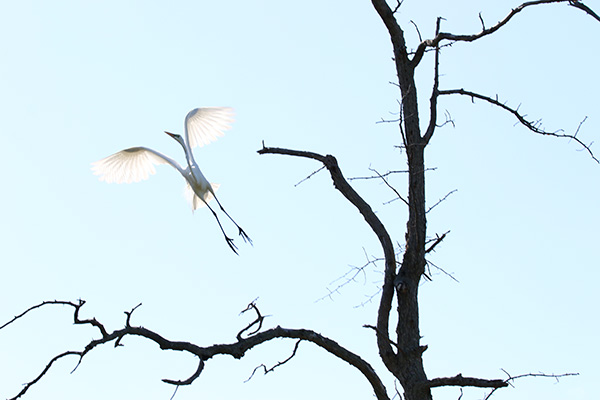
point(402, 352)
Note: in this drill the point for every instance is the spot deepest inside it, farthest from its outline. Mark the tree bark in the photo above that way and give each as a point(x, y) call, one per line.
point(409, 366)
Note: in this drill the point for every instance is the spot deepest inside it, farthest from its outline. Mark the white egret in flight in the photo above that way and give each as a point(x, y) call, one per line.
point(202, 126)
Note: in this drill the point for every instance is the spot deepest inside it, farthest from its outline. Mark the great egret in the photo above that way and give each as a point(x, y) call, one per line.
point(202, 126)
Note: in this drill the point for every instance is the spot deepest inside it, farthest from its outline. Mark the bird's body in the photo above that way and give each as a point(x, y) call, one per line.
point(202, 125)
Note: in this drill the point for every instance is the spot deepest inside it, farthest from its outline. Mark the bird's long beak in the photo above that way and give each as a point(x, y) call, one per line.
point(170, 134)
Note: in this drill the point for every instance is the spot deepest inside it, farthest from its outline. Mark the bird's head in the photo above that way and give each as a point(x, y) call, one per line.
point(177, 137)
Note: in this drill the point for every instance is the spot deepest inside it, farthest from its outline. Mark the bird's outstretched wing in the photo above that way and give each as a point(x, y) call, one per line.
point(131, 165)
point(205, 124)
point(195, 201)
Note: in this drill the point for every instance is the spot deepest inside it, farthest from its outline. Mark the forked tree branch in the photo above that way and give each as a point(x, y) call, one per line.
point(236, 349)
point(531, 125)
point(387, 294)
point(437, 241)
point(440, 36)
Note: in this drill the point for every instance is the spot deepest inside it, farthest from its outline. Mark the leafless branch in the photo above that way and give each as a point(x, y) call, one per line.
point(369, 299)
point(482, 23)
point(77, 306)
point(189, 380)
point(441, 270)
point(440, 200)
point(376, 331)
point(28, 385)
point(399, 196)
point(174, 393)
point(434, 92)
point(258, 321)
point(398, 4)
point(388, 121)
point(533, 126)
point(438, 240)
point(378, 176)
point(350, 276)
point(309, 176)
point(485, 32)
point(538, 375)
point(448, 120)
point(264, 367)
point(586, 9)
point(236, 349)
point(460, 380)
point(429, 49)
point(66, 303)
point(129, 313)
point(417, 29)
point(387, 293)
point(385, 175)
point(579, 126)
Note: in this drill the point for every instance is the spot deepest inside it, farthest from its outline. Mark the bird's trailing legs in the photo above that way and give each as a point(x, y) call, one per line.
point(241, 231)
point(229, 240)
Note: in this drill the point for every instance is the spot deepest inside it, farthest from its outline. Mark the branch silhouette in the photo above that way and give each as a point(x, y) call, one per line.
point(341, 184)
point(236, 349)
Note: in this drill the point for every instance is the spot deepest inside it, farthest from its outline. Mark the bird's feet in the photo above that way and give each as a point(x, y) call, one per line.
point(231, 245)
point(244, 236)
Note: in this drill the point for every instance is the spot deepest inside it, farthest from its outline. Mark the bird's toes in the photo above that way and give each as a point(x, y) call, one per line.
point(231, 245)
point(245, 236)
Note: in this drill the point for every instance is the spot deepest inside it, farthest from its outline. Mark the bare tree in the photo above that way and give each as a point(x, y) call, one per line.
point(402, 352)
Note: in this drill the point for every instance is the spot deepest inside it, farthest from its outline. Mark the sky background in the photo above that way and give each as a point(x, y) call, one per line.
point(81, 80)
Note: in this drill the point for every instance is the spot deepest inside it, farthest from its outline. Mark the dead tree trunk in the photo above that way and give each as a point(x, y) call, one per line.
point(407, 365)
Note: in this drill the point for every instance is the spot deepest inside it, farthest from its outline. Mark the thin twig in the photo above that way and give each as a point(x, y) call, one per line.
point(280, 363)
point(538, 375)
point(389, 186)
point(309, 176)
point(440, 200)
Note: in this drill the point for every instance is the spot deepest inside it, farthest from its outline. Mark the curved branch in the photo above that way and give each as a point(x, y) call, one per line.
point(236, 350)
point(189, 380)
point(531, 125)
point(396, 34)
point(16, 317)
point(586, 9)
point(77, 306)
point(485, 32)
point(258, 321)
point(387, 295)
point(27, 385)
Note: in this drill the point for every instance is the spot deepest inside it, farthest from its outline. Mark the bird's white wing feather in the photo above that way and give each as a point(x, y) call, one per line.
point(206, 124)
point(131, 165)
point(195, 201)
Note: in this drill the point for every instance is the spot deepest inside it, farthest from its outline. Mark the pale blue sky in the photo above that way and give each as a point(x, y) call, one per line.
point(81, 80)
